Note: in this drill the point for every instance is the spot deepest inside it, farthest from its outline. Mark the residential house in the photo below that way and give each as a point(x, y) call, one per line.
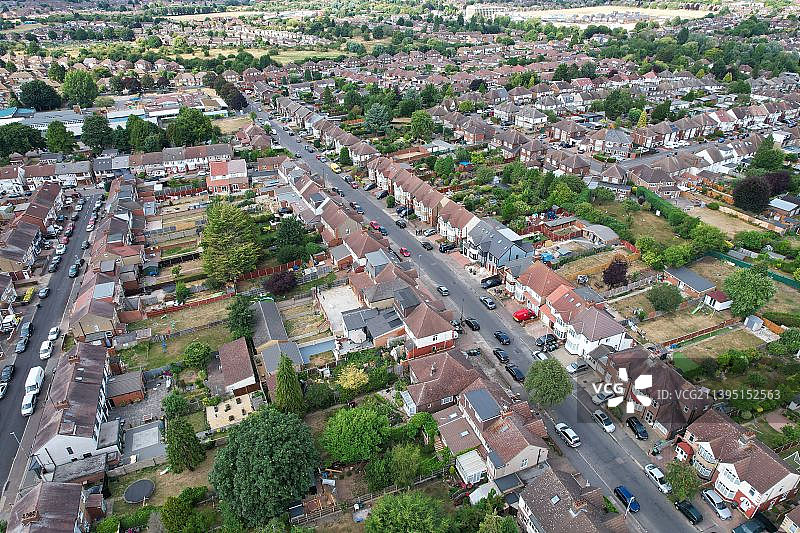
point(54, 507)
point(237, 367)
point(227, 177)
point(688, 281)
point(436, 380)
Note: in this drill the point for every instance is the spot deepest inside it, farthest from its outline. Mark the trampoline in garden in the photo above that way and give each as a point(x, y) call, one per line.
point(139, 491)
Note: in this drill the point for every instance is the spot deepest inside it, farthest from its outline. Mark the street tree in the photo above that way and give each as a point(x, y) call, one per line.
point(407, 511)
point(288, 394)
point(421, 125)
point(355, 434)
point(197, 355)
point(749, 289)
point(240, 318)
point(264, 466)
point(665, 297)
point(184, 450)
point(59, 139)
point(684, 480)
point(229, 242)
point(79, 88)
point(96, 132)
point(548, 383)
point(39, 95)
point(190, 128)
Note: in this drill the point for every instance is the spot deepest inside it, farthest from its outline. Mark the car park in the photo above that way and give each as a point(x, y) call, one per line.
point(501, 355)
point(21, 345)
point(44, 292)
point(604, 420)
point(7, 373)
point(502, 337)
point(515, 373)
point(472, 323)
point(568, 435)
point(601, 397)
point(428, 246)
point(46, 349)
point(658, 478)
point(444, 291)
point(625, 496)
point(577, 366)
point(54, 333)
point(639, 431)
point(717, 504)
point(488, 303)
point(689, 511)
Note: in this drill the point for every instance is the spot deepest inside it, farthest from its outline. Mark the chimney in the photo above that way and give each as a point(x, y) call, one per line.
point(746, 439)
point(433, 368)
point(578, 504)
point(74, 357)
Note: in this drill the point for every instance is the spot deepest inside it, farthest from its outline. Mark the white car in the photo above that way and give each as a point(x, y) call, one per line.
point(577, 366)
point(54, 333)
point(604, 420)
point(61, 249)
point(46, 350)
point(441, 289)
point(601, 397)
point(90, 227)
point(717, 503)
point(658, 478)
point(79, 208)
point(568, 435)
point(28, 404)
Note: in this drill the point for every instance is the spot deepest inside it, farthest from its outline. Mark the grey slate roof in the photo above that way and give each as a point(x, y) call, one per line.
point(691, 278)
point(485, 405)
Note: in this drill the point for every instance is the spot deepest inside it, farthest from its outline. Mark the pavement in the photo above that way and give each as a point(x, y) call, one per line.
point(604, 460)
point(17, 432)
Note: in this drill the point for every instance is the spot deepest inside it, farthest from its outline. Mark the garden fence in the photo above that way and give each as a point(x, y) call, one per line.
point(780, 278)
point(698, 333)
point(135, 467)
point(638, 284)
point(198, 303)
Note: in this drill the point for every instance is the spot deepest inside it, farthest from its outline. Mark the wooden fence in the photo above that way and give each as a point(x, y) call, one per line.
point(135, 467)
point(698, 333)
point(178, 191)
point(268, 271)
point(175, 308)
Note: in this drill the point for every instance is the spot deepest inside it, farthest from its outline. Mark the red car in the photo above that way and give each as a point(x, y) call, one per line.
point(374, 225)
point(64, 240)
point(404, 252)
point(523, 315)
point(354, 184)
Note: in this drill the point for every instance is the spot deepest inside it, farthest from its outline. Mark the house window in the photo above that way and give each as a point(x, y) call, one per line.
point(648, 417)
point(69, 450)
point(524, 463)
point(446, 400)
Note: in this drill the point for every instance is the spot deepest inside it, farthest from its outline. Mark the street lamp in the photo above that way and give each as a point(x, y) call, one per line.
point(15, 438)
point(628, 508)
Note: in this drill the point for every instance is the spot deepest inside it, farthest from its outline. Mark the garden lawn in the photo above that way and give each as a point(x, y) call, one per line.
point(185, 318)
point(644, 224)
point(151, 355)
point(683, 363)
point(738, 338)
point(628, 304)
point(729, 224)
point(680, 323)
point(573, 269)
point(197, 420)
point(232, 124)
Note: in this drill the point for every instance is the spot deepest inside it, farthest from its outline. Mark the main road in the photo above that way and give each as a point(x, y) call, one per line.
point(12, 424)
point(604, 460)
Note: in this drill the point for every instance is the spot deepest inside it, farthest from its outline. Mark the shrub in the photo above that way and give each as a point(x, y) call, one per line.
point(791, 320)
point(319, 396)
point(108, 525)
point(665, 297)
point(281, 282)
point(137, 518)
point(714, 206)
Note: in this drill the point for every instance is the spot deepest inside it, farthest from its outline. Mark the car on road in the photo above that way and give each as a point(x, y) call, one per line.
point(383, 231)
point(61, 249)
point(457, 327)
point(429, 232)
point(577, 366)
point(568, 435)
point(44, 292)
point(427, 245)
point(488, 303)
point(501, 355)
point(26, 330)
point(441, 289)
point(3, 389)
point(601, 397)
point(544, 339)
point(689, 511)
point(639, 431)
point(604, 420)
point(492, 281)
point(502, 337)
point(90, 227)
point(521, 315)
point(85, 245)
point(515, 373)
point(717, 504)
point(474, 352)
point(658, 478)
point(73, 271)
point(7, 373)
point(21, 345)
point(625, 496)
point(472, 323)
point(381, 195)
point(29, 404)
point(46, 350)
point(53, 334)
point(400, 223)
point(374, 225)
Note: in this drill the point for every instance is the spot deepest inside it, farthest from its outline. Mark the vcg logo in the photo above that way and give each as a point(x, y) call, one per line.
point(617, 390)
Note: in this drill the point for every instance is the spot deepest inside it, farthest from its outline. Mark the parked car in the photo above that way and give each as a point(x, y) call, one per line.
point(717, 504)
point(64, 240)
point(501, 355)
point(29, 404)
point(54, 333)
point(90, 227)
point(61, 249)
point(474, 352)
point(568, 435)
point(516, 373)
point(658, 478)
point(488, 303)
point(639, 431)
point(472, 323)
point(625, 496)
point(441, 289)
point(52, 267)
point(369, 186)
point(383, 231)
point(44, 292)
point(3, 390)
point(604, 420)
point(427, 245)
point(374, 225)
point(457, 327)
point(429, 232)
point(540, 356)
point(544, 339)
point(46, 349)
point(577, 366)
point(381, 195)
point(689, 511)
point(359, 210)
point(85, 245)
point(447, 247)
point(601, 397)
point(7, 373)
point(502, 337)
point(493, 281)
point(337, 190)
point(26, 330)
point(523, 314)
point(400, 223)
point(21, 345)
point(73, 271)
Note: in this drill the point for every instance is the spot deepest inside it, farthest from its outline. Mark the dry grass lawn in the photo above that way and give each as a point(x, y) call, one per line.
point(738, 338)
point(289, 56)
point(680, 323)
point(185, 318)
point(729, 225)
point(153, 355)
point(713, 270)
point(571, 270)
point(220, 15)
point(629, 304)
point(232, 124)
point(644, 224)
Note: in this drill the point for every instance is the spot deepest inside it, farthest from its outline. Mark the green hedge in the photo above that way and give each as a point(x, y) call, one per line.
point(791, 320)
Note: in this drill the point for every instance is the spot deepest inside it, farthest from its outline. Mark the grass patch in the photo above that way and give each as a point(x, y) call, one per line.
point(628, 305)
point(152, 355)
point(683, 362)
point(766, 433)
point(197, 420)
point(289, 56)
point(680, 323)
point(305, 287)
point(178, 250)
point(713, 345)
point(185, 318)
point(232, 124)
point(69, 342)
point(644, 224)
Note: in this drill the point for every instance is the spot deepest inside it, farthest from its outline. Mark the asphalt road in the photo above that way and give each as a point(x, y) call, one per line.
point(48, 315)
point(604, 461)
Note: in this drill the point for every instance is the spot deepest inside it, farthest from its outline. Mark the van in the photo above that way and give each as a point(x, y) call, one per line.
point(9, 323)
point(33, 383)
point(446, 247)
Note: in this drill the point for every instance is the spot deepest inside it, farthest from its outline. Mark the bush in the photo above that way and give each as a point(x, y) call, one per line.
point(108, 525)
point(174, 405)
point(714, 206)
point(281, 282)
point(665, 297)
point(319, 396)
point(137, 518)
point(791, 320)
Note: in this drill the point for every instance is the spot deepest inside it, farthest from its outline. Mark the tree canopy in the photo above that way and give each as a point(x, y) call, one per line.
point(59, 139)
point(752, 193)
point(421, 125)
point(355, 434)
point(548, 383)
point(229, 243)
point(749, 289)
point(79, 87)
point(288, 395)
point(96, 132)
point(39, 95)
point(184, 450)
point(190, 128)
point(407, 511)
point(16, 137)
point(240, 318)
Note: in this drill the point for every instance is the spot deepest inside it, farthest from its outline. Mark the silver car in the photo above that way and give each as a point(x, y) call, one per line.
point(717, 503)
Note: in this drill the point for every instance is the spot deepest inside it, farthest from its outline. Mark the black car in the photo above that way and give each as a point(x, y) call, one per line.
point(382, 195)
point(474, 352)
point(84, 245)
point(427, 245)
point(501, 355)
point(359, 210)
point(400, 223)
point(689, 511)
point(383, 231)
point(75, 216)
point(369, 187)
point(7, 373)
point(457, 327)
point(472, 323)
point(515, 373)
point(502, 337)
point(400, 210)
point(493, 281)
point(446, 247)
point(22, 345)
point(545, 339)
point(637, 427)
point(336, 190)
point(26, 330)
point(60, 218)
point(52, 267)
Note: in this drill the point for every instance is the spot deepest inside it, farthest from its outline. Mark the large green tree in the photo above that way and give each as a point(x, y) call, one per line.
point(749, 289)
point(79, 88)
point(56, 72)
point(405, 512)
point(548, 383)
point(97, 132)
point(707, 238)
point(184, 450)
point(664, 297)
point(684, 480)
point(197, 355)
point(240, 318)
point(38, 95)
point(288, 395)
point(768, 157)
point(191, 127)
point(16, 137)
point(404, 463)
point(144, 136)
point(494, 523)
point(266, 464)
point(59, 139)
point(377, 118)
point(229, 241)
point(355, 434)
point(421, 125)
point(175, 405)
point(752, 193)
